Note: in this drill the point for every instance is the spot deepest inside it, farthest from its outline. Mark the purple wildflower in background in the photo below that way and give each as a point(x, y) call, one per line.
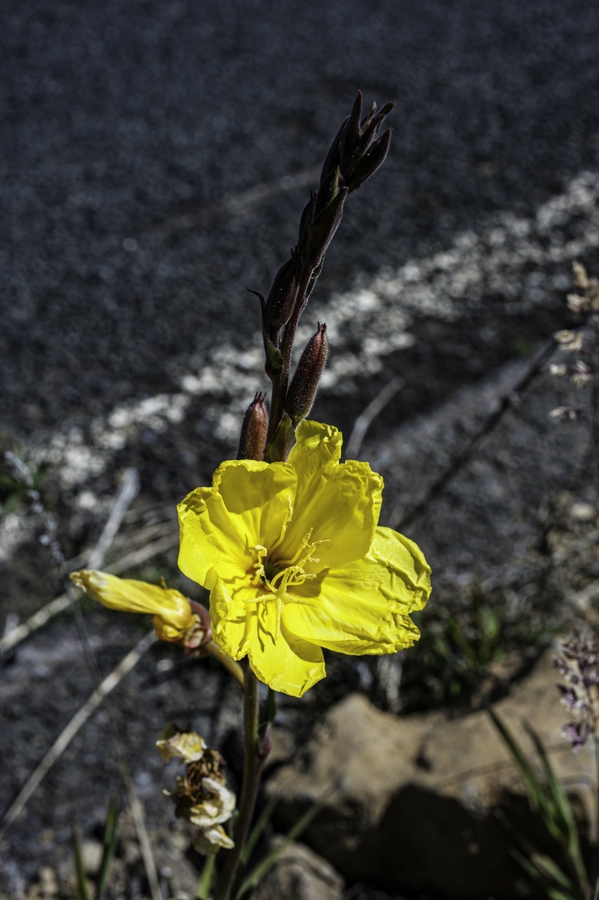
point(578, 667)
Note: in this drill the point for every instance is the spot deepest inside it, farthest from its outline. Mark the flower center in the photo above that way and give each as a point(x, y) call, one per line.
point(275, 576)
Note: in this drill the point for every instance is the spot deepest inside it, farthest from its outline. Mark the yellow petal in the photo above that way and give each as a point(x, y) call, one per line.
point(364, 607)
point(128, 595)
point(341, 512)
point(318, 447)
point(279, 659)
point(248, 504)
point(230, 614)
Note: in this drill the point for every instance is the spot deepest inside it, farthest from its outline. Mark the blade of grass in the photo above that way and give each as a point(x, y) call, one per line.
point(80, 875)
point(206, 878)
point(109, 849)
point(559, 796)
point(258, 828)
point(526, 771)
point(552, 871)
point(535, 873)
point(550, 801)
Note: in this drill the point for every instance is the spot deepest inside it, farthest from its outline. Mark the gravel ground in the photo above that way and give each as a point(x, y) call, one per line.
point(118, 118)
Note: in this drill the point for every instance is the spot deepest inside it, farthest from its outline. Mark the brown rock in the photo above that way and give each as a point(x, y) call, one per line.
point(415, 798)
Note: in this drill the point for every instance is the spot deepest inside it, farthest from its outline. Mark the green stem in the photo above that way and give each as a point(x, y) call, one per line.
point(253, 761)
point(205, 883)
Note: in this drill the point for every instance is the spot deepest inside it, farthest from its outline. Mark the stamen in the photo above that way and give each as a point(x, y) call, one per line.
point(260, 574)
point(275, 577)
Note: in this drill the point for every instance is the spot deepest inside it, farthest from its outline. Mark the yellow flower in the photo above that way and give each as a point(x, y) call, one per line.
point(173, 616)
point(294, 561)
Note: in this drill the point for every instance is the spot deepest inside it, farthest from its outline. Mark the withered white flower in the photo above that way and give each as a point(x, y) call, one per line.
point(581, 374)
point(184, 744)
point(570, 340)
point(558, 369)
point(564, 412)
point(216, 808)
point(211, 840)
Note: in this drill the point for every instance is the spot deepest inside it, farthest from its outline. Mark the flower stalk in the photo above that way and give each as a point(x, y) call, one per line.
point(254, 759)
point(286, 539)
point(356, 153)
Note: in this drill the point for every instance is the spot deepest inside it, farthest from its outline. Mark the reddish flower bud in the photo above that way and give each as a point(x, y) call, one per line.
point(281, 299)
point(254, 429)
point(304, 384)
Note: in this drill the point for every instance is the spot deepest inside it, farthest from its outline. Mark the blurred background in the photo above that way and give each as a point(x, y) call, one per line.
point(156, 156)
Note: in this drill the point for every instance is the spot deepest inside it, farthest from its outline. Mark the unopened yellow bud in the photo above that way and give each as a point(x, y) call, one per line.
point(172, 612)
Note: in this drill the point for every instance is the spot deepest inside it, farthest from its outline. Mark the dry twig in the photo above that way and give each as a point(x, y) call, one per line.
point(366, 418)
point(79, 719)
point(62, 603)
point(411, 514)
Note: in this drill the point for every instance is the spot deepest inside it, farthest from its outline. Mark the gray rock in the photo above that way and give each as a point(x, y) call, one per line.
point(300, 874)
point(416, 797)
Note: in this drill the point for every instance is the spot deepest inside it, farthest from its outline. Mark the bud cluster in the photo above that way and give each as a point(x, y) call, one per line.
point(357, 151)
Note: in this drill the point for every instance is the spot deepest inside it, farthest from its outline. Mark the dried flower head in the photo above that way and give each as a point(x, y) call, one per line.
point(177, 743)
point(200, 795)
point(580, 374)
point(570, 340)
point(565, 413)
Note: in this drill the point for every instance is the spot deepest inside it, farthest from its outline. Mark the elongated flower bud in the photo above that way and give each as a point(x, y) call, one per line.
point(362, 149)
point(254, 429)
point(324, 227)
point(372, 160)
point(174, 618)
point(305, 222)
point(304, 384)
point(281, 299)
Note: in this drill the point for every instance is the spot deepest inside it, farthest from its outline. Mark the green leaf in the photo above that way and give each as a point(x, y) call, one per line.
point(551, 870)
point(81, 887)
point(534, 786)
point(538, 875)
point(258, 828)
point(551, 802)
point(109, 849)
point(557, 793)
